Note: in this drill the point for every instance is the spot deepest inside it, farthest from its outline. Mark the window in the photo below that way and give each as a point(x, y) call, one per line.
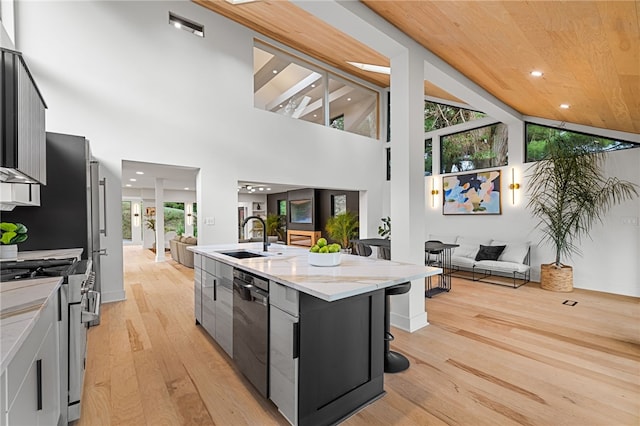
point(428, 157)
point(126, 220)
point(174, 217)
point(354, 107)
point(282, 208)
point(474, 149)
point(388, 163)
point(440, 116)
point(289, 86)
point(538, 137)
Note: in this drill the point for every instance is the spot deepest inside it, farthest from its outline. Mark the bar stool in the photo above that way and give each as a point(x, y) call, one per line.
point(393, 361)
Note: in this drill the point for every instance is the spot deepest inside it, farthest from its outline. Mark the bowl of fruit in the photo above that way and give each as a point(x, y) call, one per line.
point(323, 254)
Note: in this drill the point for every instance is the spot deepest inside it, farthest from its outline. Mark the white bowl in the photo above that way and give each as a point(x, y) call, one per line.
point(324, 259)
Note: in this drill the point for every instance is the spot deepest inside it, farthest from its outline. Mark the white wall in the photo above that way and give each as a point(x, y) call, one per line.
point(139, 89)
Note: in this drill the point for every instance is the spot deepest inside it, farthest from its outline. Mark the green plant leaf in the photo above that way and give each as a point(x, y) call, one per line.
point(8, 227)
point(19, 238)
point(7, 236)
point(20, 228)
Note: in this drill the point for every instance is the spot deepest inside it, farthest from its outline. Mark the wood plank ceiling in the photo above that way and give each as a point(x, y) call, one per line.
point(589, 51)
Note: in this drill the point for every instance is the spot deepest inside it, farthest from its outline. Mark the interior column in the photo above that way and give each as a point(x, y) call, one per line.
point(407, 183)
point(160, 220)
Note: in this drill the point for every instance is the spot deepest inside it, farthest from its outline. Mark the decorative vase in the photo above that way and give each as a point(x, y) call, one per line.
point(9, 251)
point(556, 279)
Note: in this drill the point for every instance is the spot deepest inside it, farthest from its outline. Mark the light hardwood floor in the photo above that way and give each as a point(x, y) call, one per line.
point(491, 355)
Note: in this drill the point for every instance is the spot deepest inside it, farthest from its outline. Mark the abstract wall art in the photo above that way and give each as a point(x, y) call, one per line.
point(475, 193)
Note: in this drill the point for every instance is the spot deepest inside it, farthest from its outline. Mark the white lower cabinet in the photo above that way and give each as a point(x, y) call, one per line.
point(283, 350)
point(33, 376)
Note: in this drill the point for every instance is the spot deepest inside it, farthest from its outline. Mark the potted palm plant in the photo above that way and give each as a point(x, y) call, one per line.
point(10, 235)
point(342, 228)
point(275, 225)
point(568, 194)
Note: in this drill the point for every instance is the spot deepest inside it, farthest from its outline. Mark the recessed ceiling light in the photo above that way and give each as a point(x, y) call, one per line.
point(313, 85)
point(261, 189)
point(139, 173)
point(373, 68)
point(348, 99)
point(186, 188)
point(132, 180)
point(536, 73)
point(186, 24)
point(315, 115)
point(249, 187)
point(268, 189)
point(565, 106)
point(128, 184)
point(275, 71)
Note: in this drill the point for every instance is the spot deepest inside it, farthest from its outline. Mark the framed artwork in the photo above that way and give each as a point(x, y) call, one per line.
point(150, 211)
point(476, 193)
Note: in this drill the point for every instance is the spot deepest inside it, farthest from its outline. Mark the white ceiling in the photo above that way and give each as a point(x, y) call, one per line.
point(175, 177)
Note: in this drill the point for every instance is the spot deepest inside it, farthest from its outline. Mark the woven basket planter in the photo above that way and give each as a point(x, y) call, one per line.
point(556, 279)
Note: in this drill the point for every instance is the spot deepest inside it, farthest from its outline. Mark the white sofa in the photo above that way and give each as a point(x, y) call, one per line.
point(512, 263)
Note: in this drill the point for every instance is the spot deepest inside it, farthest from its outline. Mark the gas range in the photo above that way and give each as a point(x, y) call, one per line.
point(28, 269)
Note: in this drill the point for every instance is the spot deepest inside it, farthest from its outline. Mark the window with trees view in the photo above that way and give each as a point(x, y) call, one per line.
point(174, 217)
point(474, 149)
point(126, 220)
point(438, 116)
point(538, 137)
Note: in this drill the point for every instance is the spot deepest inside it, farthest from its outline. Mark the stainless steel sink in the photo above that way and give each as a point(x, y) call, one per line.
point(241, 254)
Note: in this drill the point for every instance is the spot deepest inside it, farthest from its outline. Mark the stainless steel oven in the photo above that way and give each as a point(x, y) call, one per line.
point(251, 328)
point(83, 307)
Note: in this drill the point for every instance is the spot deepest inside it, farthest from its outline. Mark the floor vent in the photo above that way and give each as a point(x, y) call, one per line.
point(570, 303)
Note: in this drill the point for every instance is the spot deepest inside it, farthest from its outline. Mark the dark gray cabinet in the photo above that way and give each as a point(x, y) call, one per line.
point(22, 122)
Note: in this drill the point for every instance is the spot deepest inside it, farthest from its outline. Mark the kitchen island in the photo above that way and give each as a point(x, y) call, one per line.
point(324, 325)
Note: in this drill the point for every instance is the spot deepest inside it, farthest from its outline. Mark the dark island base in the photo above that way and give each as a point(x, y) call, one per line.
point(341, 362)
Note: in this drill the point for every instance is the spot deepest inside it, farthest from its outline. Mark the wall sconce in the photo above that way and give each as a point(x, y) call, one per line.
point(136, 214)
point(190, 214)
point(513, 186)
point(434, 192)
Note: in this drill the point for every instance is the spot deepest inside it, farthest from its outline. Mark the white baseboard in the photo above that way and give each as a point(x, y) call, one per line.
point(409, 324)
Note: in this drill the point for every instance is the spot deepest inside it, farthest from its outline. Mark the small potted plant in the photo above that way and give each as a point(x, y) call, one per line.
point(10, 235)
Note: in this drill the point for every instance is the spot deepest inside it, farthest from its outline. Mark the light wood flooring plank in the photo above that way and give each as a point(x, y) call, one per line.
point(492, 355)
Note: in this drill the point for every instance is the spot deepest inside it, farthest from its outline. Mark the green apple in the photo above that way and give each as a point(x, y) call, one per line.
point(315, 249)
point(322, 242)
point(334, 248)
point(324, 249)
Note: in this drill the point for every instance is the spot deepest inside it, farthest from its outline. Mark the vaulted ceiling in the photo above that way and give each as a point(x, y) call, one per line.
point(588, 51)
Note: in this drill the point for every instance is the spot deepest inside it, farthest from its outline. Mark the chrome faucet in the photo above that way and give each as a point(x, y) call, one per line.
point(265, 243)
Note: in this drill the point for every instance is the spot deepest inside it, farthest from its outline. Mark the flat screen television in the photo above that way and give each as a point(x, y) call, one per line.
point(301, 211)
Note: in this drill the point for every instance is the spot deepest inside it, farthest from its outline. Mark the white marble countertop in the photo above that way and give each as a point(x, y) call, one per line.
point(289, 266)
point(22, 301)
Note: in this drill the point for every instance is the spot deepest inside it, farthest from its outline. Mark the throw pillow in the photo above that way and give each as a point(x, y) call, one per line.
point(489, 252)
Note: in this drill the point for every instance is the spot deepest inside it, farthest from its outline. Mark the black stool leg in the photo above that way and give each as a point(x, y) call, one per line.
point(393, 361)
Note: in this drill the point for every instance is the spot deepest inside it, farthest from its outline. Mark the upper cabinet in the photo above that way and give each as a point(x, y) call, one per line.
point(22, 123)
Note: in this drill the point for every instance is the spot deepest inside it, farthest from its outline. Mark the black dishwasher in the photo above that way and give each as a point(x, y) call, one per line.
point(251, 328)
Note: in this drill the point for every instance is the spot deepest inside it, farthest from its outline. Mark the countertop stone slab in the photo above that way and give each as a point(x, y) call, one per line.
point(289, 266)
point(21, 302)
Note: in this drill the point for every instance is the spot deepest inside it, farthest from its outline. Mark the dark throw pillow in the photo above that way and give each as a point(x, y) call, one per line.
point(489, 252)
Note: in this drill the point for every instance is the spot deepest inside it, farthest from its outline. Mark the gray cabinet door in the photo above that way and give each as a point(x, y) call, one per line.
point(197, 293)
point(208, 303)
point(224, 307)
point(283, 363)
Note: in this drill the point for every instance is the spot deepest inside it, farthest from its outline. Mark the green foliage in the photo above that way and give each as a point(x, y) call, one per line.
point(343, 228)
point(539, 137)
point(12, 233)
point(126, 220)
point(439, 116)
point(569, 193)
point(384, 230)
point(478, 148)
point(275, 226)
